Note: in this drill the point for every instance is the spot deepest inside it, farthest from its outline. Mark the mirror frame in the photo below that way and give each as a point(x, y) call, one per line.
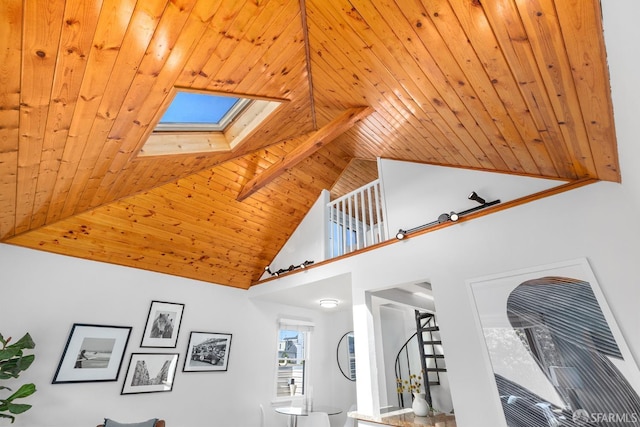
point(340, 342)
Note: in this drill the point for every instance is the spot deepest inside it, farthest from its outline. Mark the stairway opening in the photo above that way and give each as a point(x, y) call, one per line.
point(401, 315)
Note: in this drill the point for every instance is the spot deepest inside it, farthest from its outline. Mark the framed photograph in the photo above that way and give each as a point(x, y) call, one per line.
point(92, 353)
point(163, 324)
point(207, 351)
point(150, 373)
point(554, 347)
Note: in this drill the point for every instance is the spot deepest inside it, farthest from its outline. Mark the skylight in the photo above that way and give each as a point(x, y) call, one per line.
point(193, 111)
point(201, 122)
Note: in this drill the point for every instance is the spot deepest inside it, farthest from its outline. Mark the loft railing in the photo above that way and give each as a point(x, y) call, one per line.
point(356, 220)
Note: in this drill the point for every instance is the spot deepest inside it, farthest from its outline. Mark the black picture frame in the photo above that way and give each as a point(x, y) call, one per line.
point(93, 353)
point(163, 324)
point(207, 352)
point(150, 373)
point(346, 356)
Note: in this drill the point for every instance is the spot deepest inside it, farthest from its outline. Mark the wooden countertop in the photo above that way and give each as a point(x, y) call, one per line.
point(406, 418)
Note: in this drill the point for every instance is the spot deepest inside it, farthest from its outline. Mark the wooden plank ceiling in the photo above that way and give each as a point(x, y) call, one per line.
point(515, 86)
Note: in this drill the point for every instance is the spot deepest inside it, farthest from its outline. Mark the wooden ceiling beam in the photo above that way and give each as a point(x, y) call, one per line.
point(319, 139)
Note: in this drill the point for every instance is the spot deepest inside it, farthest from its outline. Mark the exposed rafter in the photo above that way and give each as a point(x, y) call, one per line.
point(307, 53)
point(318, 140)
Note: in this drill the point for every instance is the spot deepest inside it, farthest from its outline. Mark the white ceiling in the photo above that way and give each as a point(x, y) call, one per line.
point(309, 295)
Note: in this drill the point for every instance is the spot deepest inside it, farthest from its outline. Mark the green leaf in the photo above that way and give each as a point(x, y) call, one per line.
point(12, 362)
point(9, 369)
point(18, 408)
point(25, 361)
point(10, 352)
point(25, 342)
point(24, 391)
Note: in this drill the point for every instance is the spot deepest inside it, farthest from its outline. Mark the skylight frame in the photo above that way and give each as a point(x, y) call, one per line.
point(172, 139)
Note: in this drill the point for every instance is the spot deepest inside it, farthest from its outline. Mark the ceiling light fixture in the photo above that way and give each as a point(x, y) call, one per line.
point(452, 216)
point(474, 196)
point(288, 269)
point(328, 303)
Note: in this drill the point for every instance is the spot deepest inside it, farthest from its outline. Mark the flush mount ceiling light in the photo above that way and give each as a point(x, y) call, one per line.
point(328, 303)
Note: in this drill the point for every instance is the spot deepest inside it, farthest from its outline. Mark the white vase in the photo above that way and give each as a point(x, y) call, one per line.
point(292, 389)
point(420, 406)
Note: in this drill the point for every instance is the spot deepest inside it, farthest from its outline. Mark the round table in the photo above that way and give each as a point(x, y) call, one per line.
point(301, 411)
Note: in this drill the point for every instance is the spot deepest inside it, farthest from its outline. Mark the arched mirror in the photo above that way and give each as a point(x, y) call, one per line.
point(346, 356)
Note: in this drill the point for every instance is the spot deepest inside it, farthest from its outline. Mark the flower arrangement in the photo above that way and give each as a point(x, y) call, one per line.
point(412, 385)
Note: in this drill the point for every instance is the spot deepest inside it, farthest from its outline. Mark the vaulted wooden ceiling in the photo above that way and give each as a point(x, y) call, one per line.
point(515, 86)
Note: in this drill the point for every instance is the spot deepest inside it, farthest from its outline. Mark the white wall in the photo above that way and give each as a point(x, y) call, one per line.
point(45, 294)
point(395, 329)
point(443, 190)
point(561, 227)
point(308, 241)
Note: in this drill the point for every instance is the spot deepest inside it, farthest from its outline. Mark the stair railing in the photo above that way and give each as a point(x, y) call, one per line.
point(430, 361)
point(356, 220)
point(403, 362)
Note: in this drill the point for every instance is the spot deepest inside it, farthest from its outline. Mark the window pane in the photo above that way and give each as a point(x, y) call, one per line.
point(291, 362)
point(293, 370)
point(199, 108)
point(341, 239)
point(352, 356)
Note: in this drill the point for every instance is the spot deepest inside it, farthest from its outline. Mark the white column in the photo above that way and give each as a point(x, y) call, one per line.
point(367, 387)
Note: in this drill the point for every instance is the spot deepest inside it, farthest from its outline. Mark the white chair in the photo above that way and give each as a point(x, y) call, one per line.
point(262, 422)
point(317, 419)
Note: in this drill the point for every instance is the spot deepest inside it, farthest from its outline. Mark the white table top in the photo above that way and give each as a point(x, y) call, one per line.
point(303, 411)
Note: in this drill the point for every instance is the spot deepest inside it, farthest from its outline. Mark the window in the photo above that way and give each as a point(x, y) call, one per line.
point(341, 237)
point(292, 358)
point(205, 122)
point(193, 111)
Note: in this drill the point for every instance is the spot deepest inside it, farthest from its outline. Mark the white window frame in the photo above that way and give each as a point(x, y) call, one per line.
point(302, 390)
